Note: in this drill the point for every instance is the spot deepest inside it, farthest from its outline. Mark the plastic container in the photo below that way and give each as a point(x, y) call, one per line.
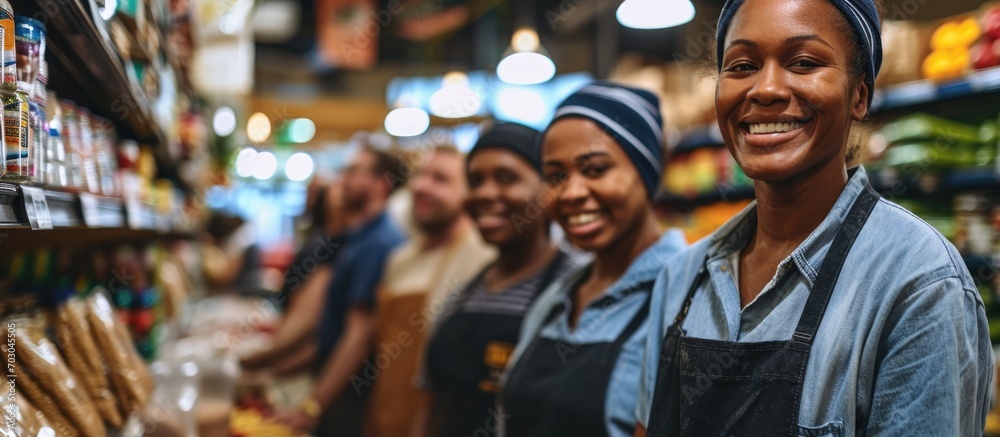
point(18, 134)
point(9, 70)
point(55, 169)
point(29, 34)
point(70, 133)
point(104, 139)
point(36, 128)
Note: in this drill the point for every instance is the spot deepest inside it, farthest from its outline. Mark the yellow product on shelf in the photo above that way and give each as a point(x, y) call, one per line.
point(251, 423)
point(705, 220)
point(951, 43)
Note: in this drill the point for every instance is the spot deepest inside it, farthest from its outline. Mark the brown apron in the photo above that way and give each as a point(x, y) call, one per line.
point(401, 324)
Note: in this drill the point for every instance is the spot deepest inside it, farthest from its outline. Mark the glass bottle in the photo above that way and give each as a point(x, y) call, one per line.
point(18, 134)
point(9, 70)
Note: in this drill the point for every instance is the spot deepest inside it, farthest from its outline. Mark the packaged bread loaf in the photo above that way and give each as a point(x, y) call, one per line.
point(77, 344)
point(40, 357)
point(27, 421)
point(145, 379)
point(127, 372)
point(47, 406)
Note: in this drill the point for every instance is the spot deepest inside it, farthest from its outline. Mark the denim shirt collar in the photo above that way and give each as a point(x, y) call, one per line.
point(643, 269)
point(808, 257)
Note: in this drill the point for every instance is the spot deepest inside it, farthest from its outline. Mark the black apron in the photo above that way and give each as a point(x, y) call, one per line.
point(465, 358)
point(720, 388)
point(560, 389)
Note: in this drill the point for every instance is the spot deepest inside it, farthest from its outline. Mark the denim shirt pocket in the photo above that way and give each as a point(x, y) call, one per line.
point(829, 429)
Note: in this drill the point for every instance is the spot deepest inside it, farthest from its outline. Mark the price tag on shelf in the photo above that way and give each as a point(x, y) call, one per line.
point(91, 211)
point(36, 208)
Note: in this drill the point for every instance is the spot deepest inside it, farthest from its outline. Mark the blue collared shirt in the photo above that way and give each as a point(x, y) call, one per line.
point(903, 348)
point(603, 321)
point(357, 272)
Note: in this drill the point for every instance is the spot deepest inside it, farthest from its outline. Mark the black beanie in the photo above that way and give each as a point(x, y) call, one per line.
point(514, 137)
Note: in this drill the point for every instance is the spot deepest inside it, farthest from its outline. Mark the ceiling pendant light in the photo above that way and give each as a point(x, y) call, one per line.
point(655, 14)
point(526, 62)
point(455, 99)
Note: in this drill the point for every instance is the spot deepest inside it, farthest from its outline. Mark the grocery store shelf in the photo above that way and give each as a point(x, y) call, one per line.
point(889, 180)
point(981, 86)
point(83, 64)
point(699, 137)
point(722, 193)
point(35, 215)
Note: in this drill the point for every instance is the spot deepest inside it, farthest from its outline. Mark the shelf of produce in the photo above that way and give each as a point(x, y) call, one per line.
point(699, 137)
point(722, 193)
point(82, 62)
point(977, 88)
point(892, 182)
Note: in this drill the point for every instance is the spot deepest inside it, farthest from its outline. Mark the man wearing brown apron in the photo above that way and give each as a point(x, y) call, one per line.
point(421, 277)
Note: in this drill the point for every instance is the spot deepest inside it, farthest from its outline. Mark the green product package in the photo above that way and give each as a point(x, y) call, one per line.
point(924, 127)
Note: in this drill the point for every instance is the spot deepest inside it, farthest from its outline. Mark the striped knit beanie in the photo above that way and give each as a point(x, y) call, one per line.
point(629, 115)
point(861, 15)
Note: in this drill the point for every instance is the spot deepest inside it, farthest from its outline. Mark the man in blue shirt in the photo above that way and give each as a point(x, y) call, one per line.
point(345, 333)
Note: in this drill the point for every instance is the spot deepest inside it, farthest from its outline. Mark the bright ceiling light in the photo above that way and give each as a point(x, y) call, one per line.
point(298, 167)
point(455, 99)
point(522, 105)
point(245, 162)
point(654, 14)
point(224, 121)
point(407, 122)
point(301, 130)
point(526, 62)
point(264, 166)
point(258, 128)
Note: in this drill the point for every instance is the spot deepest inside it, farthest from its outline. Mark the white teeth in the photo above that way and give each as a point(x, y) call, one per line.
point(770, 128)
point(582, 219)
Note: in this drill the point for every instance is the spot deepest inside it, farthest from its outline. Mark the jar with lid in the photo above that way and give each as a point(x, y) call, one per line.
point(973, 231)
point(17, 132)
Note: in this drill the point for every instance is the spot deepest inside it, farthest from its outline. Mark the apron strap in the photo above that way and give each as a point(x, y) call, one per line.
point(819, 297)
point(639, 318)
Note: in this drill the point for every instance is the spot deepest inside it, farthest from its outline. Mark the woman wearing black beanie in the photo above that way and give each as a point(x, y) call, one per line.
point(468, 350)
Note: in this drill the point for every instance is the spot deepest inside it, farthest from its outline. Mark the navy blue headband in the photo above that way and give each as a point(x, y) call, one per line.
point(861, 15)
point(630, 116)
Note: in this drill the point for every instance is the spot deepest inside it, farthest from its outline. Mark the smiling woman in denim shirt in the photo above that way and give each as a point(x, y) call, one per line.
point(575, 370)
point(820, 310)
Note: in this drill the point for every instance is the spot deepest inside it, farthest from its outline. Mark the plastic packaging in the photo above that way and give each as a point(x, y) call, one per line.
point(17, 132)
point(29, 34)
point(9, 73)
point(39, 356)
point(77, 343)
point(72, 143)
point(132, 382)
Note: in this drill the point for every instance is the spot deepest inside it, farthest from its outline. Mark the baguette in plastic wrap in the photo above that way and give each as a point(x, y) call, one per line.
point(77, 344)
point(48, 407)
point(41, 358)
point(128, 372)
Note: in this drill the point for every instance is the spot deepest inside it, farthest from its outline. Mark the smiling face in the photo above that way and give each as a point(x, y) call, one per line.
point(786, 96)
point(503, 185)
point(439, 191)
point(599, 197)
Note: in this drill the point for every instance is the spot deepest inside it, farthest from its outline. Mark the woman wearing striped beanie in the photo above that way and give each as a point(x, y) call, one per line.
point(821, 309)
point(576, 370)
